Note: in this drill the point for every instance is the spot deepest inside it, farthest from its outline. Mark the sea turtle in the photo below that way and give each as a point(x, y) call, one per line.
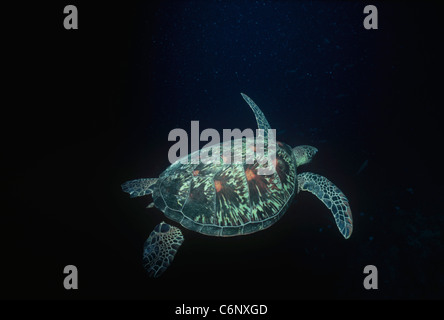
point(231, 199)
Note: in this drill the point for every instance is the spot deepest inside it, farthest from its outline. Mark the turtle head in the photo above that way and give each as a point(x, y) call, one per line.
point(304, 154)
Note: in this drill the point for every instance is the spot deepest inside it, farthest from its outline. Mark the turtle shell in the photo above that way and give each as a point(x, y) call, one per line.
point(227, 198)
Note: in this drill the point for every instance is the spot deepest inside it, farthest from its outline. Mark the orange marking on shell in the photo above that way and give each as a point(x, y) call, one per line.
point(195, 172)
point(250, 174)
point(218, 185)
point(280, 144)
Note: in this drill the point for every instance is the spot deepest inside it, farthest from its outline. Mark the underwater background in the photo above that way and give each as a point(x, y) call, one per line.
point(93, 107)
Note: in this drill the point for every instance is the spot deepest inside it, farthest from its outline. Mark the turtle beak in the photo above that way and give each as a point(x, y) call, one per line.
point(315, 150)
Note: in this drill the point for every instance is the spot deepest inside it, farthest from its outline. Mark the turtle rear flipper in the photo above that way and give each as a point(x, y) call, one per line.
point(139, 187)
point(160, 248)
point(331, 196)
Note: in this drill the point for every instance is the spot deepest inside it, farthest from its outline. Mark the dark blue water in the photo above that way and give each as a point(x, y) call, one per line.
point(102, 101)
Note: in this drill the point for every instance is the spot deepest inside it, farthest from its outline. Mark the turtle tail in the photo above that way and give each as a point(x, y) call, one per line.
point(139, 187)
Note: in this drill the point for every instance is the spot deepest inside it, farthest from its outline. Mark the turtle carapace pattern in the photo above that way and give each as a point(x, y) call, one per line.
point(228, 198)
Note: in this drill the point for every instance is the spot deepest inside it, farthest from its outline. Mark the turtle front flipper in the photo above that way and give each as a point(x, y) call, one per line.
point(331, 196)
point(160, 248)
point(139, 187)
point(262, 122)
